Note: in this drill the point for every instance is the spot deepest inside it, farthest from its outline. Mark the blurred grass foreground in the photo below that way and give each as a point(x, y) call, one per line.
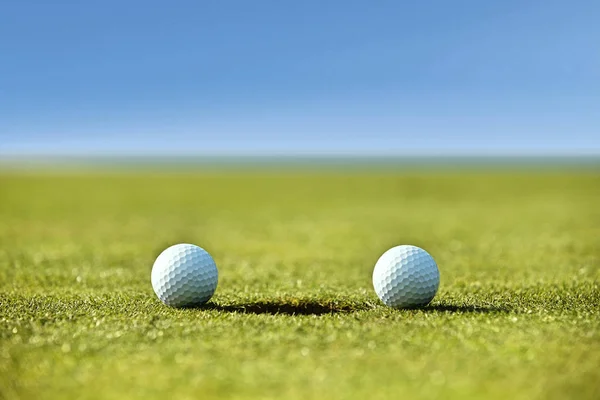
point(294, 315)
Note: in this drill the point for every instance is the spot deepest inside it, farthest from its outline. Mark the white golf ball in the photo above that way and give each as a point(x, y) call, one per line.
point(406, 277)
point(184, 275)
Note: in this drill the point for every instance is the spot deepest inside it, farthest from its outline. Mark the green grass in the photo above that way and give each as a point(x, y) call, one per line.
point(295, 316)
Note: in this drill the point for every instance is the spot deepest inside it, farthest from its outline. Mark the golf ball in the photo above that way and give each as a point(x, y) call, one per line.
point(406, 277)
point(184, 275)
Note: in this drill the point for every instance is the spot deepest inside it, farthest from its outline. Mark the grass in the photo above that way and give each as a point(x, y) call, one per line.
point(295, 316)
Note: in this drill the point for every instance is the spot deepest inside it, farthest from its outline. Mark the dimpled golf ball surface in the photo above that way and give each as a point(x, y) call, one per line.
point(406, 277)
point(184, 275)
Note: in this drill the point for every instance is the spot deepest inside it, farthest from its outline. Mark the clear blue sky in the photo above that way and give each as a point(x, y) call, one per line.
point(407, 77)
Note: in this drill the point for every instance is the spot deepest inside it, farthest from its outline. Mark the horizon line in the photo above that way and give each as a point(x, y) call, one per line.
point(592, 153)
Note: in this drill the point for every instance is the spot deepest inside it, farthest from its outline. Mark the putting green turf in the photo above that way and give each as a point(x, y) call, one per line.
point(295, 316)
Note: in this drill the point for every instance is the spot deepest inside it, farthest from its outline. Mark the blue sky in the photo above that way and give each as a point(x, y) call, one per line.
point(302, 77)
